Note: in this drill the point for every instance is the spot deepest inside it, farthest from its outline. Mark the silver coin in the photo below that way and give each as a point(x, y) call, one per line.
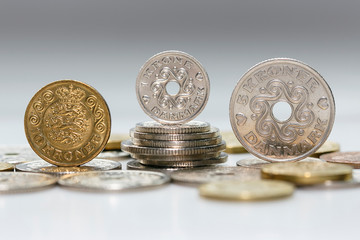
point(113, 155)
point(44, 167)
point(177, 157)
point(186, 128)
point(275, 87)
point(186, 164)
point(114, 180)
point(259, 163)
point(352, 183)
point(136, 165)
point(172, 87)
point(24, 182)
point(128, 146)
point(213, 132)
point(13, 150)
point(17, 159)
point(205, 175)
point(176, 144)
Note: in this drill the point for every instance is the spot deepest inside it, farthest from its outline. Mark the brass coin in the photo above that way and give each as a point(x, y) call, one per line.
point(349, 158)
point(246, 190)
point(327, 147)
point(67, 123)
point(259, 163)
point(114, 142)
point(232, 143)
point(6, 166)
point(306, 173)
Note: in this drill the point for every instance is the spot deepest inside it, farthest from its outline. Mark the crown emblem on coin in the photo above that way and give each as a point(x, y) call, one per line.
point(70, 95)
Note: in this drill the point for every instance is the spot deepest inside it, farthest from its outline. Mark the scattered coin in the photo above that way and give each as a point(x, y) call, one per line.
point(44, 167)
point(172, 87)
point(67, 123)
point(186, 128)
point(114, 180)
point(24, 182)
point(259, 163)
point(113, 155)
point(6, 166)
point(204, 175)
point(136, 165)
point(232, 143)
point(114, 142)
point(306, 173)
point(13, 150)
point(327, 147)
point(268, 92)
point(352, 183)
point(247, 190)
point(17, 159)
point(349, 158)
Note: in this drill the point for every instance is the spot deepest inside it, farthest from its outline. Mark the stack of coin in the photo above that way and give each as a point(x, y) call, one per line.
point(188, 145)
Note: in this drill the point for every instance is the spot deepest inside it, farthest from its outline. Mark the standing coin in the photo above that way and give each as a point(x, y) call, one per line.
point(307, 173)
point(232, 143)
point(246, 190)
point(114, 180)
point(349, 158)
point(327, 147)
point(259, 163)
point(282, 109)
point(67, 123)
point(19, 182)
point(6, 166)
point(172, 87)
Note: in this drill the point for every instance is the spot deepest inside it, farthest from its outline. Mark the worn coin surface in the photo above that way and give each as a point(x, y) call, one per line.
point(282, 110)
point(306, 173)
point(155, 127)
point(204, 175)
point(114, 180)
point(259, 163)
point(44, 167)
point(114, 142)
point(247, 190)
point(67, 123)
point(327, 147)
point(212, 133)
point(172, 87)
point(177, 144)
point(6, 166)
point(232, 143)
point(129, 146)
point(20, 181)
point(349, 158)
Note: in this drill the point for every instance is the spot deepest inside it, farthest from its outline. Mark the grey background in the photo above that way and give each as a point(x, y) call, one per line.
point(104, 43)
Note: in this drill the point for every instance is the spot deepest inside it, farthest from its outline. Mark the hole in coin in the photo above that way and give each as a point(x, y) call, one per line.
point(282, 111)
point(172, 88)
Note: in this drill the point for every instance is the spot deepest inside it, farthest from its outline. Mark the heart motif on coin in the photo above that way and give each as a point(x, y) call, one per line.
point(323, 103)
point(241, 119)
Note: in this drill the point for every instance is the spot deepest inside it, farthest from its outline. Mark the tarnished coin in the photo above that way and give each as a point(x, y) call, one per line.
point(114, 142)
point(136, 165)
point(24, 182)
point(186, 128)
point(282, 110)
point(172, 87)
point(212, 133)
point(6, 166)
point(67, 123)
point(327, 147)
point(185, 164)
point(44, 167)
point(128, 146)
point(114, 180)
point(259, 163)
point(113, 155)
point(349, 158)
point(204, 175)
point(177, 157)
point(247, 190)
point(306, 173)
point(232, 143)
point(177, 144)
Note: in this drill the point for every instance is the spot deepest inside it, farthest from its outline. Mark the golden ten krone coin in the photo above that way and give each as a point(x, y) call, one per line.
point(67, 123)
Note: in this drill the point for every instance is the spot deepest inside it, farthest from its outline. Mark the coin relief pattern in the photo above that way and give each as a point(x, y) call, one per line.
point(255, 122)
point(176, 106)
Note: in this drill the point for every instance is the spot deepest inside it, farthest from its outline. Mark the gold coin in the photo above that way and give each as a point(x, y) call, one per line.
point(6, 166)
point(232, 143)
point(247, 190)
point(306, 173)
point(67, 123)
point(327, 147)
point(115, 140)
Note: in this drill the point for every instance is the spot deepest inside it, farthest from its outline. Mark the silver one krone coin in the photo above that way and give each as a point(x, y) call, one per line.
point(116, 180)
point(155, 127)
point(172, 87)
point(177, 157)
point(176, 144)
point(282, 110)
point(136, 165)
point(259, 163)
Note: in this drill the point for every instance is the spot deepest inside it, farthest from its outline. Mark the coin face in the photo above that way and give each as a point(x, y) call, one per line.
point(44, 167)
point(306, 173)
point(18, 182)
point(282, 110)
point(232, 143)
point(350, 158)
point(114, 180)
point(6, 166)
point(210, 174)
point(259, 163)
point(67, 123)
point(246, 190)
point(172, 87)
